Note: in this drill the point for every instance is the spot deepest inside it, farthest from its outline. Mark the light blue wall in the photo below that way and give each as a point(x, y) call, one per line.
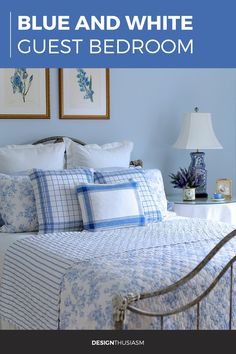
point(147, 106)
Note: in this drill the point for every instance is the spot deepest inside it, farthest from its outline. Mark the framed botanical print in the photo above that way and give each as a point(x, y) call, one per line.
point(84, 93)
point(224, 186)
point(24, 93)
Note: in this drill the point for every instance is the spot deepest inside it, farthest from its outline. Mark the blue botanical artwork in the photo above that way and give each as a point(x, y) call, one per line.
point(85, 84)
point(21, 82)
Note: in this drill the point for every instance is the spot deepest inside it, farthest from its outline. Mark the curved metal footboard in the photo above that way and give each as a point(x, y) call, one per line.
point(128, 302)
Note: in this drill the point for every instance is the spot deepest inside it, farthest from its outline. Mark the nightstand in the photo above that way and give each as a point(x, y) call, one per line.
point(204, 208)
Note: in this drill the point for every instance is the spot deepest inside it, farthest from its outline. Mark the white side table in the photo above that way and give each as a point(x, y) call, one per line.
point(205, 209)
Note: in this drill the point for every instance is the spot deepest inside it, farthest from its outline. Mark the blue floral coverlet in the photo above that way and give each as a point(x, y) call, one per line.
point(72, 280)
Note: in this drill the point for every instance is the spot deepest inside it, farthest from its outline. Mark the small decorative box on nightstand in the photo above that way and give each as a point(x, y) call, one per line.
point(223, 210)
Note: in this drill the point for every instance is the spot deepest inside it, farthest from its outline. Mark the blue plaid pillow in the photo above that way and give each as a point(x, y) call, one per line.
point(56, 198)
point(150, 207)
point(106, 206)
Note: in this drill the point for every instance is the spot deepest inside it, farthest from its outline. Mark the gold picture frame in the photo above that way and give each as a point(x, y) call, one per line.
point(224, 186)
point(84, 93)
point(24, 93)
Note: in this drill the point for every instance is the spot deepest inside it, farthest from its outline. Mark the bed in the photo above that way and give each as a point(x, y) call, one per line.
point(175, 274)
point(6, 239)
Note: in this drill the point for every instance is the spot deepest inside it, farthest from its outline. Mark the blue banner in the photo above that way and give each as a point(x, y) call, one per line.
point(157, 33)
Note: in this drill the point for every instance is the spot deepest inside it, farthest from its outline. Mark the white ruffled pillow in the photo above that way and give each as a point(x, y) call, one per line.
point(15, 158)
point(98, 156)
point(17, 204)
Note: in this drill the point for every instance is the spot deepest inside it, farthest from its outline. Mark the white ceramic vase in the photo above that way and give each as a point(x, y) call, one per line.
point(189, 194)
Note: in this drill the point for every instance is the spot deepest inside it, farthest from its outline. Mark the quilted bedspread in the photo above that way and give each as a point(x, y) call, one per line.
point(72, 280)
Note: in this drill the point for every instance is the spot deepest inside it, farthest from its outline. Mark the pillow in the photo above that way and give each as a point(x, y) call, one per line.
point(17, 204)
point(108, 206)
point(15, 158)
point(156, 185)
point(56, 198)
point(98, 156)
point(20, 173)
point(109, 169)
point(150, 207)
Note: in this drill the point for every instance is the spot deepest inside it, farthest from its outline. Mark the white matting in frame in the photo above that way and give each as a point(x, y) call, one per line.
point(24, 93)
point(84, 93)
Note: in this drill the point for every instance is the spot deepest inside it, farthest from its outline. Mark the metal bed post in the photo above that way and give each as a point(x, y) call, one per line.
point(130, 301)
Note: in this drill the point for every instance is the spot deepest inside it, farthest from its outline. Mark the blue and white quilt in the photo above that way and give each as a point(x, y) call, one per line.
point(72, 280)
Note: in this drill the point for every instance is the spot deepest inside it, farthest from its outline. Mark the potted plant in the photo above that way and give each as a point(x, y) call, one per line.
point(188, 181)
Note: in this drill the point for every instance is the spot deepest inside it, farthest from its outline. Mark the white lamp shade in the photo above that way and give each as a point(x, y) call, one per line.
point(197, 133)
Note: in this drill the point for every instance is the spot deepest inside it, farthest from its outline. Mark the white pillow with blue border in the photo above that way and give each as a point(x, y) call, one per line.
point(108, 206)
point(150, 205)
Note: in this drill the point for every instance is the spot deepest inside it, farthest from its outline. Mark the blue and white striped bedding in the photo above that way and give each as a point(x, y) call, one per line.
point(70, 280)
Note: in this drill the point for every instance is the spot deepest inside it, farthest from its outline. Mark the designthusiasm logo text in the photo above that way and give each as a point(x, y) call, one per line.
point(114, 342)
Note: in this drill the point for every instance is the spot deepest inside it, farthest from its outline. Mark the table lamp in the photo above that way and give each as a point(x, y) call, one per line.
point(197, 133)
